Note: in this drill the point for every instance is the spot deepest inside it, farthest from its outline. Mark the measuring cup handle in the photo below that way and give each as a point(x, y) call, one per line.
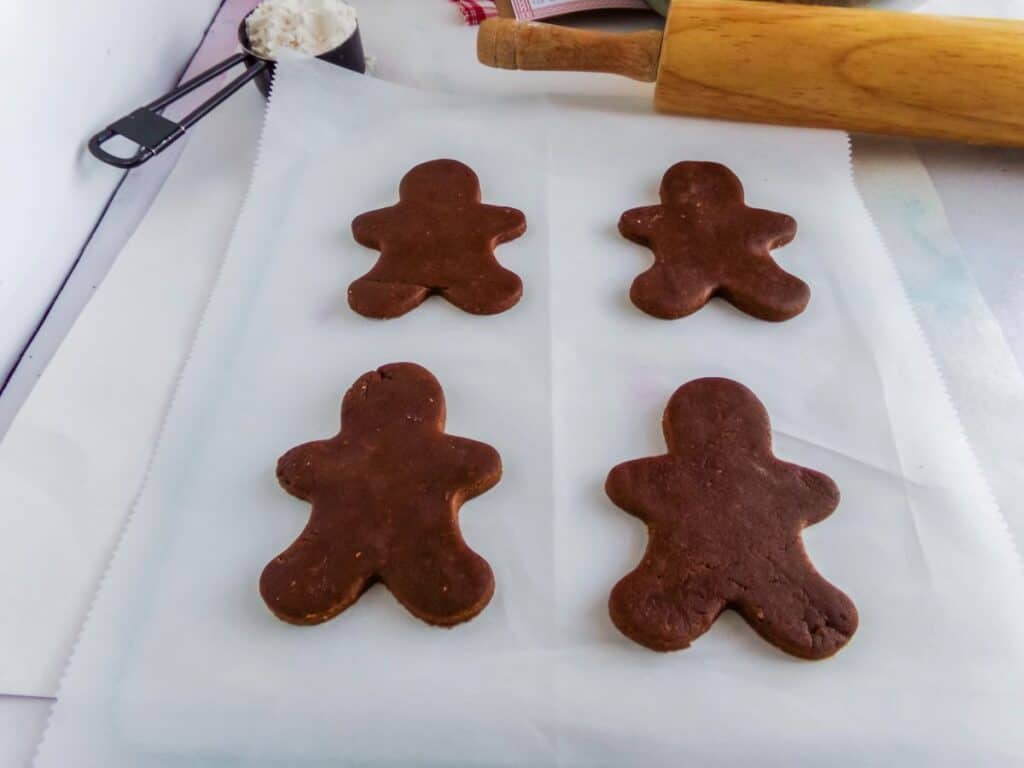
point(153, 132)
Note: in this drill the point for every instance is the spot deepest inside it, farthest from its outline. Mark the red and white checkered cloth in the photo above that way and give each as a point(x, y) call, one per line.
point(475, 11)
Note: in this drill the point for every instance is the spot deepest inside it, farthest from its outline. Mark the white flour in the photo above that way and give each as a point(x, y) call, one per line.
point(308, 26)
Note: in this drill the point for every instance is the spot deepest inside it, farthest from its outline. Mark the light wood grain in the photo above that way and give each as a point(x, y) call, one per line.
point(509, 44)
point(859, 70)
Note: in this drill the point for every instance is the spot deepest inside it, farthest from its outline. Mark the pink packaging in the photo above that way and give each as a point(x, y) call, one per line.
point(475, 11)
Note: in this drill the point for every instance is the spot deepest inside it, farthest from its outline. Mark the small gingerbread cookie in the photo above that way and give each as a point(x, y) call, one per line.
point(708, 243)
point(438, 239)
point(724, 518)
point(386, 493)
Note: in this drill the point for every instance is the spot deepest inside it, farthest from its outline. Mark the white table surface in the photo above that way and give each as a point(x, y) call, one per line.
point(66, 67)
point(978, 190)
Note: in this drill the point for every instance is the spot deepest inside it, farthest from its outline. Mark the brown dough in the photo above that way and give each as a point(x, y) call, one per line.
point(724, 518)
point(707, 243)
point(386, 493)
point(438, 239)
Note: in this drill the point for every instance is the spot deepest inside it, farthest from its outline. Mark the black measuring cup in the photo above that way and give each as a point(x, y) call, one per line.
point(153, 132)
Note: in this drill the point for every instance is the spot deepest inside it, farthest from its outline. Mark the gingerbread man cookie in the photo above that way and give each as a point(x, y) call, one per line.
point(707, 243)
point(386, 493)
point(438, 239)
point(724, 518)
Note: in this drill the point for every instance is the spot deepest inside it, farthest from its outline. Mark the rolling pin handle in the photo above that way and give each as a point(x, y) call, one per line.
point(511, 44)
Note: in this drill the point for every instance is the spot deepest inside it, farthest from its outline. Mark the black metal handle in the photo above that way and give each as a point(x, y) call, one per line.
point(153, 132)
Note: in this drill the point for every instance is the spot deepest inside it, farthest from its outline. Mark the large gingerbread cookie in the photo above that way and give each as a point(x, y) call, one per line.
point(438, 239)
point(708, 243)
point(386, 493)
point(724, 518)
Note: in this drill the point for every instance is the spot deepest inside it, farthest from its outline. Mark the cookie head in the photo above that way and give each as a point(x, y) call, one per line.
point(718, 414)
point(689, 183)
point(440, 181)
point(403, 393)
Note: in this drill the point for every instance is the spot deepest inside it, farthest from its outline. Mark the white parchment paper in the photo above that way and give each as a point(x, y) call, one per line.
point(180, 662)
point(144, 315)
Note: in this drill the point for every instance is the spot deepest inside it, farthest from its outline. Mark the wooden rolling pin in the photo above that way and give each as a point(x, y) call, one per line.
point(905, 74)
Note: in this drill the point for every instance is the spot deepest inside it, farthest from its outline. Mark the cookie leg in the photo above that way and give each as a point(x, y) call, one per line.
point(306, 584)
point(670, 294)
point(382, 300)
point(659, 615)
point(441, 585)
point(498, 291)
point(802, 613)
point(767, 292)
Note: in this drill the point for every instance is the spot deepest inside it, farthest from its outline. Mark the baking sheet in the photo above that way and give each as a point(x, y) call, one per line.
point(181, 664)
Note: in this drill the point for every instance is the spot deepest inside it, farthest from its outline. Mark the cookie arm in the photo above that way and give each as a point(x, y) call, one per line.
point(297, 469)
point(633, 486)
point(476, 467)
point(369, 228)
point(635, 224)
point(813, 495)
point(769, 229)
point(508, 223)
